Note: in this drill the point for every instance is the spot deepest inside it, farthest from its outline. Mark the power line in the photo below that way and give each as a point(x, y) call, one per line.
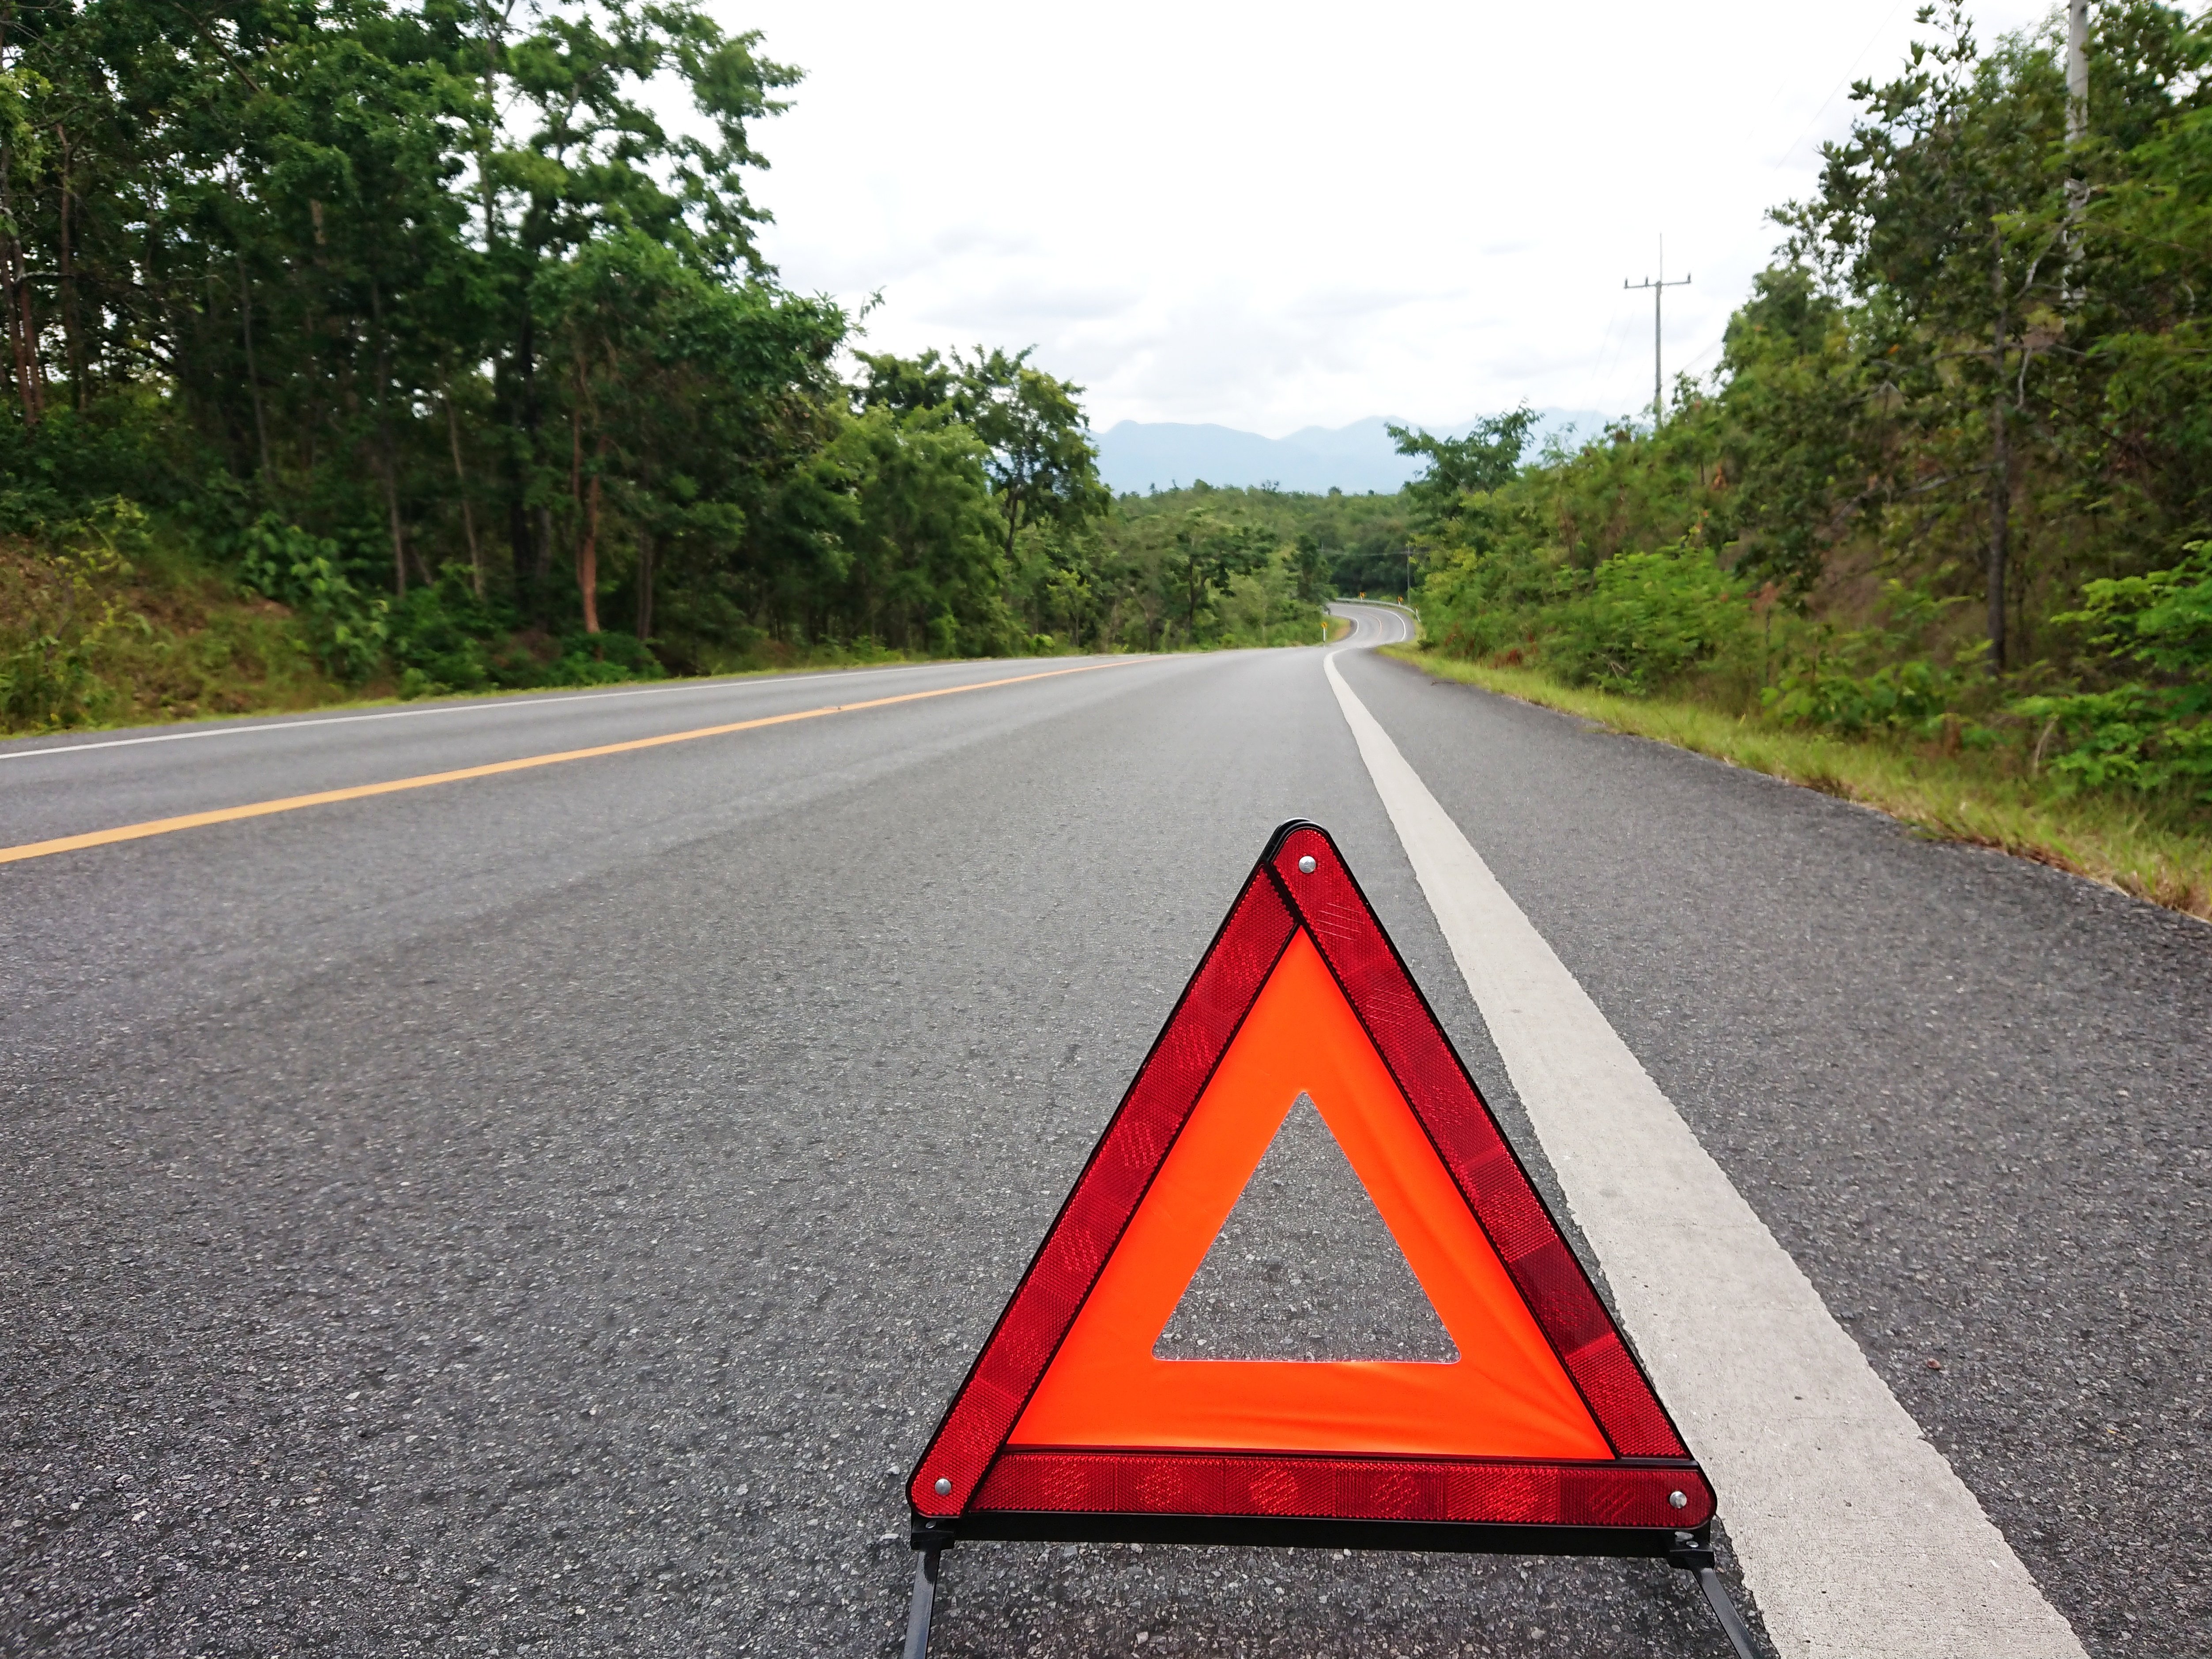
point(1602, 362)
point(1711, 346)
point(1782, 160)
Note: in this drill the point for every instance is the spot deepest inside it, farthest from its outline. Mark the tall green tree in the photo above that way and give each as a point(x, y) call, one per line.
point(1043, 465)
point(1207, 553)
point(1486, 458)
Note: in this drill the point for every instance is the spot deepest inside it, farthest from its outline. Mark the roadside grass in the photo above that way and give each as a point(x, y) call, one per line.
point(93, 640)
point(248, 667)
point(95, 646)
point(2160, 851)
point(85, 646)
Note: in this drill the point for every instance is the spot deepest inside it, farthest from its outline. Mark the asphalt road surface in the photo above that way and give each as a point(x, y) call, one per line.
point(545, 1212)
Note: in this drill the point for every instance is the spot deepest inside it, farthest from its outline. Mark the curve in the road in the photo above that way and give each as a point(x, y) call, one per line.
point(1373, 624)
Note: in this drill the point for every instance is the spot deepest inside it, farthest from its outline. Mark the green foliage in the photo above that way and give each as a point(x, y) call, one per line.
point(349, 630)
point(1860, 680)
point(1205, 567)
point(1487, 460)
point(599, 659)
point(1791, 432)
point(2138, 735)
point(2133, 737)
point(1206, 553)
point(1645, 620)
point(1489, 600)
point(49, 678)
point(1042, 465)
point(2161, 620)
point(1826, 690)
point(1971, 401)
point(926, 569)
point(429, 324)
point(1340, 544)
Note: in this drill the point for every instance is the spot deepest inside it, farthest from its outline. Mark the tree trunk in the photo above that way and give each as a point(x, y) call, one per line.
point(384, 443)
point(587, 559)
point(576, 485)
point(461, 483)
point(544, 567)
point(23, 326)
point(530, 545)
point(644, 585)
point(588, 543)
point(252, 370)
point(483, 150)
point(520, 545)
point(72, 324)
point(391, 515)
point(2000, 464)
point(2077, 129)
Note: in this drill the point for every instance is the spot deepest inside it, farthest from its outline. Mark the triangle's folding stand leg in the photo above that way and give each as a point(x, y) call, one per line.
point(1717, 1596)
point(925, 1597)
point(1695, 1555)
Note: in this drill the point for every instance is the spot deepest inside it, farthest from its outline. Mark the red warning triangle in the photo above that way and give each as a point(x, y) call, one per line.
point(1544, 1420)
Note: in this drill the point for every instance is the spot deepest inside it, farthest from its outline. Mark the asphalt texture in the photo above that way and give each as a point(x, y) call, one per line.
point(1304, 1268)
point(545, 1213)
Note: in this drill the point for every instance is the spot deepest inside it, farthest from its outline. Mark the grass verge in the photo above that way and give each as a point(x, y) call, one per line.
point(94, 642)
point(2154, 851)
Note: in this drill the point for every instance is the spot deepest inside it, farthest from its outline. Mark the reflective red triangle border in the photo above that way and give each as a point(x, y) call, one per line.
point(1631, 1504)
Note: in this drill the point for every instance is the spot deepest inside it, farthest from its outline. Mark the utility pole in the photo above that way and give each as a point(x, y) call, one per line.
point(1658, 289)
point(2077, 70)
point(2077, 129)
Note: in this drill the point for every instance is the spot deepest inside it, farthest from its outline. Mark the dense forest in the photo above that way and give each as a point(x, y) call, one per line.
point(1953, 480)
point(356, 342)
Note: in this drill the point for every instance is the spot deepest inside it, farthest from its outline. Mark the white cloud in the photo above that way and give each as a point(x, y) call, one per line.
point(1274, 216)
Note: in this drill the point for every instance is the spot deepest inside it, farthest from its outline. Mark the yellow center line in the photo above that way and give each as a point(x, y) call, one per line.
point(39, 849)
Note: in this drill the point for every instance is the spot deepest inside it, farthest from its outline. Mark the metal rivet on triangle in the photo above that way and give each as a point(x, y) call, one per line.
point(1306, 864)
point(1673, 1497)
point(943, 1489)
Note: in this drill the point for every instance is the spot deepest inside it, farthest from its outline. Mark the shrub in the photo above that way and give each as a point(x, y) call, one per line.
point(2155, 732)
point(69, 611)
point(1832, 686)
point(348, 629)
point(1646, 618)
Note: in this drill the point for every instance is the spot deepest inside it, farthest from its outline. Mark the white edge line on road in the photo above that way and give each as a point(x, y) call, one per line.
point(492, 706)
point(1855, 1536)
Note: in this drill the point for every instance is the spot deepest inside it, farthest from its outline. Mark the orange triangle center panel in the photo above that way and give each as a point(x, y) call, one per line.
point(1069, 1423)
point(1507, 1395)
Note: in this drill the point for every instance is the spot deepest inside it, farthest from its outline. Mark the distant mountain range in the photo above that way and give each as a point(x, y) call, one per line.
point(1147, 455)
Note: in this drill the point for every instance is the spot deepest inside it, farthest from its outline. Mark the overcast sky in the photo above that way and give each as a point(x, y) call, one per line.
point(1289, 214)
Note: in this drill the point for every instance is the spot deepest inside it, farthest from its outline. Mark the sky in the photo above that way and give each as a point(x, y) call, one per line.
point(1274, 216)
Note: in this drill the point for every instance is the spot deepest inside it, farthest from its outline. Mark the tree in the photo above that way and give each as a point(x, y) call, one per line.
point(1797, 442)
point(1206, 554)
point(927, 569)
point(1487, 458)
point(906, 384)
point(1041, 464)
point(1309, 567)
point(1923, 206)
